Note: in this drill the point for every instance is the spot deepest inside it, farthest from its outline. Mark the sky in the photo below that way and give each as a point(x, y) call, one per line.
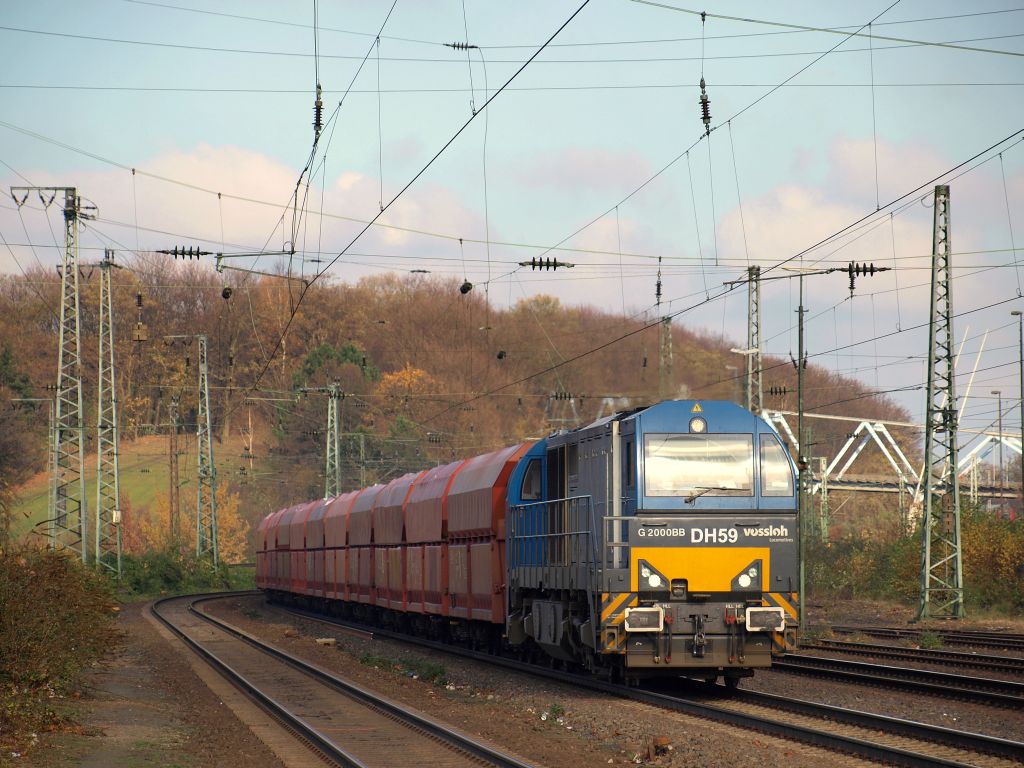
point(189, 123)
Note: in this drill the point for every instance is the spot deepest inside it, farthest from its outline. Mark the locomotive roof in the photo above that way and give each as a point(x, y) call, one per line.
point(600, 426)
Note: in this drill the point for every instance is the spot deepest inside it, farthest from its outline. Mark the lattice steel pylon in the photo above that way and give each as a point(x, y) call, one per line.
point(755, 392)
point(108, 484)
point(332, 472)
point(68, 526)
point(206, 494)
point(332, 449)
point(942, 581)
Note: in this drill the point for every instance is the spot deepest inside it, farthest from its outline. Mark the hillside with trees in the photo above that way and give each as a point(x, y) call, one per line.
point(428, 373)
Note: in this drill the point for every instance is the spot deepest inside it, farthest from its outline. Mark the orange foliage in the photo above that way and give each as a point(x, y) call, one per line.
point(152, 532)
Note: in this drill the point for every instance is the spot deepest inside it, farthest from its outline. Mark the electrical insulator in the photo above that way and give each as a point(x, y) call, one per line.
point(854, 270)
point(501, 354)
point(318, 113)
point(138, 300)
point(777, 391)
point(185, 253)
point(466, 287)
point(705, 108)
point(545, 263)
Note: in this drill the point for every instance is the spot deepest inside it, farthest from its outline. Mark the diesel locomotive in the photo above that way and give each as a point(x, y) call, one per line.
point(655, 542)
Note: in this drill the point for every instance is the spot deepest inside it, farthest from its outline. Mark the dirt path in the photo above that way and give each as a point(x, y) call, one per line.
point(145, 706)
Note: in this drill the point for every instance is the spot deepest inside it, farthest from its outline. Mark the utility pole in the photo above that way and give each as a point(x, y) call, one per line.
point(174, 491)
point(801, 461)
point(755, 392)
point(108, 484)
point(206, 493)
point(942, 579)
point(332, 449)
point(68, 524)
point(825, 519)
point(332, 472)
point(1002, 476)
point(666, 385)
point(362, 460)
point(1020, 364)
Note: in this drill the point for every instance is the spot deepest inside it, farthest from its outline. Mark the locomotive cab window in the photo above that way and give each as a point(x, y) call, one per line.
point(708, 465)
point(530, 489)
point(776, 474)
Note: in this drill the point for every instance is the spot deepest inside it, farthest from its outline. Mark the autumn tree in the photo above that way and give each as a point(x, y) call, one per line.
point(152, 532)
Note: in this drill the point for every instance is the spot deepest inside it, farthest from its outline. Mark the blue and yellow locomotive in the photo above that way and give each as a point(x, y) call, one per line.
point(662, 540)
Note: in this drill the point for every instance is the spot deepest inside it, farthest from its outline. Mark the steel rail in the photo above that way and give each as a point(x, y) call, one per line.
point(986, 690)
point(435, 729)
point(980, 639)
point(870, 750)
point(318, 743)
point(1010, 664)
point(976, 742)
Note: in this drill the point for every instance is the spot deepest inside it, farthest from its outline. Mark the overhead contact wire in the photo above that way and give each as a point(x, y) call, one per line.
point(402, 191)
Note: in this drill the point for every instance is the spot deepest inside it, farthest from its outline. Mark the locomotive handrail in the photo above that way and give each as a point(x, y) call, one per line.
point(565, 549)
point(615, 544)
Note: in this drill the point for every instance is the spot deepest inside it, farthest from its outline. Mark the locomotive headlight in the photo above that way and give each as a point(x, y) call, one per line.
point(744, 580)
point(698, 426)
point(654, 581)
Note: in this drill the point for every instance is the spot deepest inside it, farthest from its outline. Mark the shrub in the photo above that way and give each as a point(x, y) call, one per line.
point(168, 572)
point(56, 617)
point(992, 555)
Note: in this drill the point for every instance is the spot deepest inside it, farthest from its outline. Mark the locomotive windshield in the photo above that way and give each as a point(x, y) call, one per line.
point(708, 465)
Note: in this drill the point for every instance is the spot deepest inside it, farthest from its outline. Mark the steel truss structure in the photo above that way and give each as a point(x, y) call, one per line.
point(206, 475)
point(942, 578)
point(755, 393)
point(108, 487)
point(332, 448)
point(68, 525)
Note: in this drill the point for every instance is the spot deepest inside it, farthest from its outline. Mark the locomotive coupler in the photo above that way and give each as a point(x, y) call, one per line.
point(699, 641)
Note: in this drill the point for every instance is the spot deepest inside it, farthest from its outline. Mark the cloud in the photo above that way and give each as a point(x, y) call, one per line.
point(578, 170)
point(252, 212)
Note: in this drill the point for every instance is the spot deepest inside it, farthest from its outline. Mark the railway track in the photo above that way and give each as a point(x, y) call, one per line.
point(898, 741)
point(962, 659)
point(979, 639)
point(340, 722)
point(981, 689)
point(889, 740)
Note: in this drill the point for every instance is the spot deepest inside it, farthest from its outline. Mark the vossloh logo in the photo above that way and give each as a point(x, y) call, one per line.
point(770, 531)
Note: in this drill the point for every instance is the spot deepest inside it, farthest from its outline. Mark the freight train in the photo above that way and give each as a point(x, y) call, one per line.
point(660, 541)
